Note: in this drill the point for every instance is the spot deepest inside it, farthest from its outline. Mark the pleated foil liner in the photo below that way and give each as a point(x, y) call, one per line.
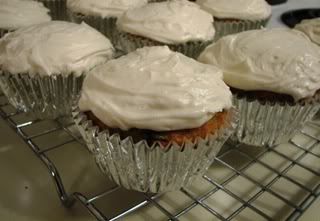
point(44, 97)
point(57, 9)
point(107, 26)
point(144, 168)
point(227, 27)
point(270, 123)
point(131, 42)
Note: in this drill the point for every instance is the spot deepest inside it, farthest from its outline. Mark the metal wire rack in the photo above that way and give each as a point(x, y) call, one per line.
point(240, 163)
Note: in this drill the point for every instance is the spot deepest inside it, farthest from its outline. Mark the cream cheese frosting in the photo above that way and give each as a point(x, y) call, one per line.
point(237, 9)
point(311, 27)
point(277, 60)
point(176, 21)
point(155, 88)
point(103, 8)
point(15, 14)
point(53, 48)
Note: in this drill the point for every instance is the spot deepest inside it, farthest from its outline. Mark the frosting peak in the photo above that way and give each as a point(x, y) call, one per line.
point(15, 14)
point(311, 28)
point(237, 9)
point(53, 48)
point(103, 8)
point(176, 21)
point(279, 60)
point(155, 88)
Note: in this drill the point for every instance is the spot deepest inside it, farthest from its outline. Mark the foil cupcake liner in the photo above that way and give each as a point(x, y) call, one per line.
point(106, 26)
point(57, 9)
point(129, 43)
point(270, 123)
point(227, 27)
point(145, 168)
point(44, 97)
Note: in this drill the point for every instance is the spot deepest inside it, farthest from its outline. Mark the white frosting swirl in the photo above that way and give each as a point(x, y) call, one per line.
point(278, 60)
point(53, 48)
point(176, 21)
point(15, 14)
point(237, 9)
point(155, 88)
point(311, 27)
point(103, 8)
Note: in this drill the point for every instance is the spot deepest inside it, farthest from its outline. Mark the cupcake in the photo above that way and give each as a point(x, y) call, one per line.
point(154, 119)
point(311, 27)
point(57, 8)
point(15, 14)
point(42, 66)
point(179, 24)
point(101, 14)
point(233, 16)
point(275, 79)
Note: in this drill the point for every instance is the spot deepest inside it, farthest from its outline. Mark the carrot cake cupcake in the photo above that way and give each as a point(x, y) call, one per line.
point(101, 14)
point(166, 116)
point(311, 27)
point(179, 24)
point(15, 14)
point(274, 76)
point(233, 16)
point(42, 66)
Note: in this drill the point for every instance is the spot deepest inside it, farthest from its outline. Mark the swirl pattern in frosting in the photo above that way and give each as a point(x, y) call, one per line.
point(53, 48)
point(15, 14)
point(237, 9)
point(311, 27)
point(103, 8)
point(278, 60)
point(176, 21)
point(155, 88)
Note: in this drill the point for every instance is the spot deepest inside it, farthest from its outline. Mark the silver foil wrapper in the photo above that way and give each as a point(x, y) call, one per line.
point(44, 97)
point(227, 27)
point(155, 168)
point(317, 115)
point(57, 9)
point(107, 26)
point(270, 123)
point(129, 43)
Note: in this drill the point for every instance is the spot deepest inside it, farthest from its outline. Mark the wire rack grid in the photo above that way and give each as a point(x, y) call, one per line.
point(248, 159)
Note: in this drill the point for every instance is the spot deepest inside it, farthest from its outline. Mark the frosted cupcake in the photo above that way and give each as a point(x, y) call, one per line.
point(42, 67)
point(233, 16)
point(274, 75)
point(179, 24)
point(311, 27)
point(57, 8)
point(154, 119)
point(15, 14)
point(101, 14)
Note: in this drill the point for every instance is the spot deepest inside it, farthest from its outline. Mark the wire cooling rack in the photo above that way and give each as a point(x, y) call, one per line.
point(244, 183)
